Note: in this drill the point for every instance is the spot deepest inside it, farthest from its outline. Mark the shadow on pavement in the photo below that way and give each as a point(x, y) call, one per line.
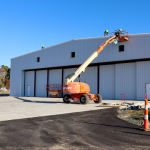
point(113, 126)
point(135, 133)
point(4, 94)
point(24, 100)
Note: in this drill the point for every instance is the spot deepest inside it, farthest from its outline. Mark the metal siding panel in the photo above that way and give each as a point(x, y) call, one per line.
point(22, 82)
point(16, 79)
point(41, 82)
point(12, 79)
point(125, 81)
point(143, 77)
point(29, 80)
point(60, 55)
point(107, 81)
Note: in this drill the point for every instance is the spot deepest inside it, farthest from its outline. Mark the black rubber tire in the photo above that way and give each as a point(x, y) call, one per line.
point(66, 98)
point(99, 98)
point(84, 99)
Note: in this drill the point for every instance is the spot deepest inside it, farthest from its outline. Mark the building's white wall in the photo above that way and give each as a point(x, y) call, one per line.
point(41, 82)
point(29, 80)
point(107, 81)
point(125, 81)
point(16, 79)
point(22, 82)
point(142, 77)
point(60, 55)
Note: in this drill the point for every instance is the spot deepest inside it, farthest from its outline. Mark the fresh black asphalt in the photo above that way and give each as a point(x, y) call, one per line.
point(98, 129)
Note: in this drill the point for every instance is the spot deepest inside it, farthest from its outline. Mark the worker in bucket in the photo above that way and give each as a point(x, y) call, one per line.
point(106, 33)
point(118, 35)
point(42, 46)
point(120, 32)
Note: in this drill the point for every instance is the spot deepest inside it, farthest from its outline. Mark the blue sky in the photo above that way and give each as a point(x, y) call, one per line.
point(26, 25)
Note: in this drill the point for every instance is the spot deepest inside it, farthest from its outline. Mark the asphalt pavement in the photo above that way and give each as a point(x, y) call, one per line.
point(94, 130)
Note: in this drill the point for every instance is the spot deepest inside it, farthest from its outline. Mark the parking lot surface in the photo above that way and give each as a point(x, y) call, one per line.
point(28, 107)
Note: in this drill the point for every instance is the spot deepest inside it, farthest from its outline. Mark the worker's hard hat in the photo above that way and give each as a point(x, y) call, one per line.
point(120, 29)
point(42, 45)
point(106, 30)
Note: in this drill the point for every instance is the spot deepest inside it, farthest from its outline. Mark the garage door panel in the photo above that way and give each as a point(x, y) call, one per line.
point(142, 77)
point(29, 81)
point(125, 81)
point(55, 77)
point(67, 72)
point(41, 82)
point(106, 82)
point(89, 76)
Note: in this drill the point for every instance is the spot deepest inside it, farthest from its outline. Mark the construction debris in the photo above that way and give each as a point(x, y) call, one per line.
point(136, 106)
point(105, 104)
point(109, 105)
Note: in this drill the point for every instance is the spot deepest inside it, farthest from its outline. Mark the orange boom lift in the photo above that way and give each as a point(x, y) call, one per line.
point(81, 90)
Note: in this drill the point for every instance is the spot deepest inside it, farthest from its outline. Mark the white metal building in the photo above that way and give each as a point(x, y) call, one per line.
point(123, 68)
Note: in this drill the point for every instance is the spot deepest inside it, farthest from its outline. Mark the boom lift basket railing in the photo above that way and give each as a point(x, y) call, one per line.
point(122, 37)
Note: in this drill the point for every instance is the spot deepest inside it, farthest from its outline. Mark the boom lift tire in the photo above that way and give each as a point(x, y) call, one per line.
point(67, 98)
point(99, 98)
point(84, 99)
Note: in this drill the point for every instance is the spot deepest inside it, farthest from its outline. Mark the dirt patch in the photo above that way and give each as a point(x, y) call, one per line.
point(132, 116)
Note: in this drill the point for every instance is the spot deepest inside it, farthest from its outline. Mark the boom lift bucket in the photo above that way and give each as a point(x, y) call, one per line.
point(122, 37)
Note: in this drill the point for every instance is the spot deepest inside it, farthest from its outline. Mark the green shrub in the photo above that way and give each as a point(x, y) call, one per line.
point(0, 86)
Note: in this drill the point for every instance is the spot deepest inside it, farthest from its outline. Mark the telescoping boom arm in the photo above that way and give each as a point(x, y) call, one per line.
point(73, 76)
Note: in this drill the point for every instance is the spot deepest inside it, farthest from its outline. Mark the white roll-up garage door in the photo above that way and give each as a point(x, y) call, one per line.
point(67, 72)
point(89, 76)
point(29, 83)
point(55, 76)
point(107, 81)
point(125, 81)
point(41, 82)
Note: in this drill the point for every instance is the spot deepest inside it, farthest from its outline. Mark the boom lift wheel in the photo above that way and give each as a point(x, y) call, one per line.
point(99, 98)
point(84, 99)
point(67, 98)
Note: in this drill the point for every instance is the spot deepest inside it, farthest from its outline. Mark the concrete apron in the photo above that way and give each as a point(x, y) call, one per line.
point(27, 107)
